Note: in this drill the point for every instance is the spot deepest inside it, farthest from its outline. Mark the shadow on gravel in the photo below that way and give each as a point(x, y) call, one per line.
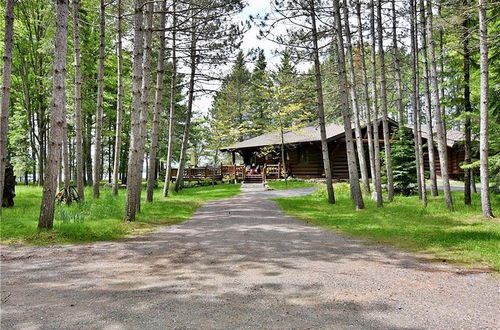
point(238, 263)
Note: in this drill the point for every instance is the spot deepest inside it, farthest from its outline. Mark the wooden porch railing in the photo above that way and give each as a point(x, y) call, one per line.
point(272, 171)
point(231, 172)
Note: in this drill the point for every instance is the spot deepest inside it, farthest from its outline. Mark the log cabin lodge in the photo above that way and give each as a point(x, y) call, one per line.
point(261, 155)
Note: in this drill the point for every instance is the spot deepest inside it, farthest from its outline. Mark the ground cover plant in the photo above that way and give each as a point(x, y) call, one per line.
point(462, 236)
point(100, 219)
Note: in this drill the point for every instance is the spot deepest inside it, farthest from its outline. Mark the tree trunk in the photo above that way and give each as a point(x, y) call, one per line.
point(321, 110)
point(88, 150)
point(427, 99)
point(65, 154)
point(146, 82)
point(397, 67)
point(171, 118)
point(441, 67)
point(415, 100)
point(442, 147)
point(483, 109)
point(119, 103)
point(46, 218)
point(376, 144)
point(283, 154)
point(383, 103)
point(158, 107)
point(355, 109)
point(135, 181)
point(78, 102)
point(100, 101)
point(356, 195)
point(369, 129)
point(135, 121)
point(467, 105)
point(111, 151)
point(187, 124)
point(6, 78)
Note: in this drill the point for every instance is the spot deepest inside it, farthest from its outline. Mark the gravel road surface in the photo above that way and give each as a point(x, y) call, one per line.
point(240, 263)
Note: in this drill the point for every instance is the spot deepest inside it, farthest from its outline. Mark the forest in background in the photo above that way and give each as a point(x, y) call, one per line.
point(116, 90)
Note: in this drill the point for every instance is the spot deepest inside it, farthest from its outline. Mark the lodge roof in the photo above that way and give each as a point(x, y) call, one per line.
point(299, 135)
point(312, 134)
point(452, 136)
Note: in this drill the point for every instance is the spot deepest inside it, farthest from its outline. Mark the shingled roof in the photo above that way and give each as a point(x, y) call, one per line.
point(452, 136)
point(312, 134)
point(300, 135)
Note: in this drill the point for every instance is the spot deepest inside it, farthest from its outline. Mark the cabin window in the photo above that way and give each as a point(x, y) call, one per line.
point(303, 156)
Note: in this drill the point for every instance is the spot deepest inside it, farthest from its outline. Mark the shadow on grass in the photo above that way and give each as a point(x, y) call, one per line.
point(239, 263)
point(461, 236)
point(100, 219)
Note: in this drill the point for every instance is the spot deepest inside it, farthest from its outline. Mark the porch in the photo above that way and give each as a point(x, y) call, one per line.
point(238, 173)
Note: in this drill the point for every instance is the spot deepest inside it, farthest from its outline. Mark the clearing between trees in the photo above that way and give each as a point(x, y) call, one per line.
point(240, 263)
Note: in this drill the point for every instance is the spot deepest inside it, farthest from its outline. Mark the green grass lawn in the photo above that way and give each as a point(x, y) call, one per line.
point(462, 236)
point(100, 219)
point(290, 184)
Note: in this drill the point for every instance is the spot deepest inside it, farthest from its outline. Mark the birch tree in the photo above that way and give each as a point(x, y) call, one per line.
point(78, 101)
point(415, 100)
point(467, 105)
point(383, 103)
point(483, 109)
point(6, 78)
point(427, 100)
point(119, 99)
point(187, 123)
point(46, 218)
point(100, 100)
point(146, 82)
point(135, 121)
point(173, 90)
point(441, 137)
point(321, 107)
point(354, 99)
point(212, 35)
point(356, 195)
point(160, 68)
point(397, 67)
point(369, 127)
point(376, 135)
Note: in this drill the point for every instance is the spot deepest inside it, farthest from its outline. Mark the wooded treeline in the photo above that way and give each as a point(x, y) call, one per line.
point(416, 62)
point(128, 70)
point(98, 90)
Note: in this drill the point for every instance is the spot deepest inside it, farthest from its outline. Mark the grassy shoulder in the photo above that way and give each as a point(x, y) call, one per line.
point(290, 184)
point(100, 219)
point(462, 236)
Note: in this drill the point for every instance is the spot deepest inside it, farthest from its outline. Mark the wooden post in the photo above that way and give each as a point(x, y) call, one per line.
point(233, 154)
point(279, 170)
point(235, 175)
point(264, 174)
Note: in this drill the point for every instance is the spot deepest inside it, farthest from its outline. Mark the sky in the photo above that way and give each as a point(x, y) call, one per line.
point(250, 41)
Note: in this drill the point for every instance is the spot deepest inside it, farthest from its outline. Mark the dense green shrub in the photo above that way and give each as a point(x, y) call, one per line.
point(404, 166)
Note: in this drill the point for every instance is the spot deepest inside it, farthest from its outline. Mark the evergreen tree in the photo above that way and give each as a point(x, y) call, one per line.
point(404, 163)
point(258, 96)
point(230, 109)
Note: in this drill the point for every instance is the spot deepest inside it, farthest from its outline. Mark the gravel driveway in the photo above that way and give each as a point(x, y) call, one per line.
point(239, 263)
